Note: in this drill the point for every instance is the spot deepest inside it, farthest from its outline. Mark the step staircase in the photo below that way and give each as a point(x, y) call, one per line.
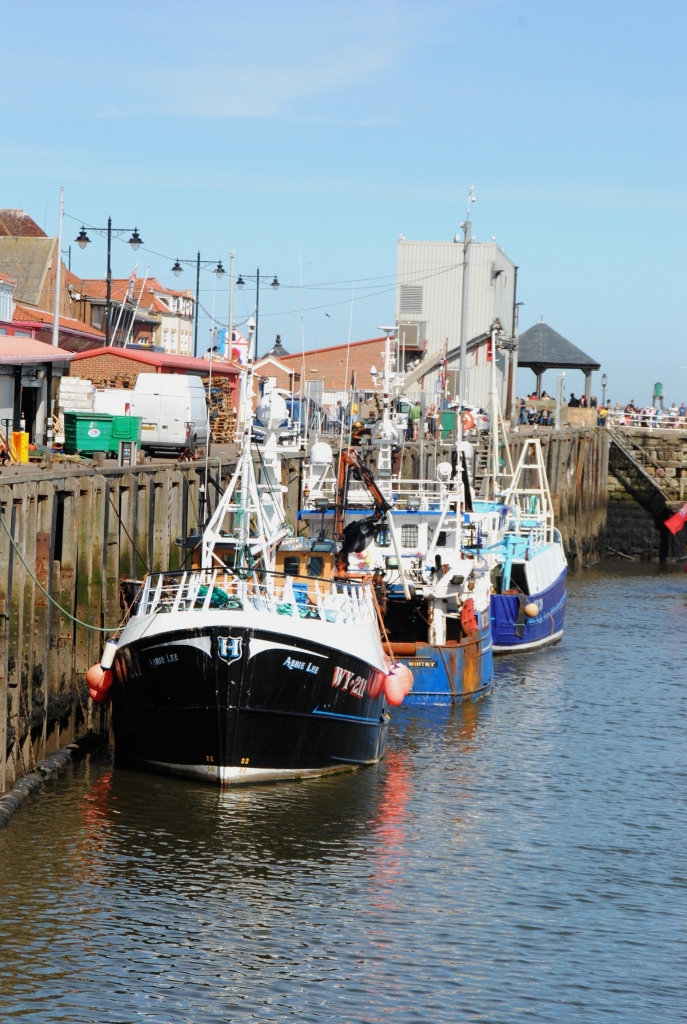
point(642, 477)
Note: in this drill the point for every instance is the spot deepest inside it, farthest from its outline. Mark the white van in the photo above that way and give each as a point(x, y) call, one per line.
point(167, 403)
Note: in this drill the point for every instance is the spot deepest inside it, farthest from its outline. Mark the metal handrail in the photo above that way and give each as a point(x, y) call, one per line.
point(269, 592)
point(638, 453)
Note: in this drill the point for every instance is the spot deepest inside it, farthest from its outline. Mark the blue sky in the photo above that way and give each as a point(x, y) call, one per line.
point(313, 134)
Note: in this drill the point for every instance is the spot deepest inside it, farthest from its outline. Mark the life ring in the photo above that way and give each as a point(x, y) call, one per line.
point(467, 420)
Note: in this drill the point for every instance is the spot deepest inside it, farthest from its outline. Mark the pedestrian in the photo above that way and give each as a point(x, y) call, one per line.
point(522, 418)
point(431, 421)
point(593, 402)
point(573, 403)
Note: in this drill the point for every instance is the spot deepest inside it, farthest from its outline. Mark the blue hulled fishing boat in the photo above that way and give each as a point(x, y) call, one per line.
point(407, 535)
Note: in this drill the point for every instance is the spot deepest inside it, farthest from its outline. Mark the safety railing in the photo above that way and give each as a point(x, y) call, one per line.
point(269, 593)
point(647, 419)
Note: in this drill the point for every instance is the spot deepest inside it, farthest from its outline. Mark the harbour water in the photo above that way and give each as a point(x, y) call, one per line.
point(519, 859)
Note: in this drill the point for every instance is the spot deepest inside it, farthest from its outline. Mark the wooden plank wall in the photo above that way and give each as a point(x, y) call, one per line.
point(79, 532)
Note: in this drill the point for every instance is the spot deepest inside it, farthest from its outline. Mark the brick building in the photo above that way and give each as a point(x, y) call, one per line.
point(337, 366)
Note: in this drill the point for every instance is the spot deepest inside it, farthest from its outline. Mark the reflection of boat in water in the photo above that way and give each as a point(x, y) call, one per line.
point(237, 671)
point(211, 837)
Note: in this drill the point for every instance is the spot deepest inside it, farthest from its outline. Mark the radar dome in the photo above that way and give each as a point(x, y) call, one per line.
point(444, 470)
point(321, 454)
point(271, 410)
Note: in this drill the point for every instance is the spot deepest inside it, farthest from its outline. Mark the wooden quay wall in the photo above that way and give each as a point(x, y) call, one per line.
point(79, 531)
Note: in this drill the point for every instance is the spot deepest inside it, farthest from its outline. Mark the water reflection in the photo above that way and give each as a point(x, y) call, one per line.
point(522, 858)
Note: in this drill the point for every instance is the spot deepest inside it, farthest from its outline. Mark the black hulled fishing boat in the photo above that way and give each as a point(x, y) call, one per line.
point(241, 670)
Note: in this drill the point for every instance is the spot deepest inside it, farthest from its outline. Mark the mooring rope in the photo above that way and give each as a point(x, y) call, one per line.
point(68, 615)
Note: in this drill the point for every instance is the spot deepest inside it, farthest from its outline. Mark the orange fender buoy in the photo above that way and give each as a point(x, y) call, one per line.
point(393, 690)
point(376, 685)
point(398, 683)
point(403, 673)
point(99, 682)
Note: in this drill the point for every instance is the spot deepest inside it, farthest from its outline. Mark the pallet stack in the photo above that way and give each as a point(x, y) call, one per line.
point(222, 415)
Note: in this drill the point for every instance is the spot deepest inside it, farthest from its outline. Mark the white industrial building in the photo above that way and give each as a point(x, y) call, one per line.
point(429, 311)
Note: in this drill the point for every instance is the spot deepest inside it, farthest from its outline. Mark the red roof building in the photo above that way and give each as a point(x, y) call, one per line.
point(161, 316)
point(336, 365)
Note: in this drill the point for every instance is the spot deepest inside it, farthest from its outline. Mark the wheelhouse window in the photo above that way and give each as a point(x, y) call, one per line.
point(315, 566)
point(292, 566)
point(409, 536)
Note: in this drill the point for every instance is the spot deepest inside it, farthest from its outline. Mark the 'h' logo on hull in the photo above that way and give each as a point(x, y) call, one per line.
point(229, 647)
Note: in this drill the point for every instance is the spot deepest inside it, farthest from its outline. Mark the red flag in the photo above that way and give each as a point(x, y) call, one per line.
point(677, 521)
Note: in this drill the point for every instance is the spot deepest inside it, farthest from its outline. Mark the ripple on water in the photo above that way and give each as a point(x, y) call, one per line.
point(519, 859)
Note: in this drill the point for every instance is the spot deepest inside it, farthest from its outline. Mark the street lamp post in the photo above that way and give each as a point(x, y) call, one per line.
point(219, 272)
point(604, 385)
point(82, 240)
point(240, 283)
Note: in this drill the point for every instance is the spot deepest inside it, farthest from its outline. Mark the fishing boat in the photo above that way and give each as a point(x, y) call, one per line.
point(240, 669)
point(407, 535)
point(511, 525)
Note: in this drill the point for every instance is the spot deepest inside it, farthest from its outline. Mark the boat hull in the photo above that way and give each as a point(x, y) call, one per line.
point(449, 674)
point(512, 631)
point(237, 705)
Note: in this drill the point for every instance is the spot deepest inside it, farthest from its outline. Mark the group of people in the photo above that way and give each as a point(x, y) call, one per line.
point(533, 410)
point(649, 415)
point(415, 418)
point(530, 414)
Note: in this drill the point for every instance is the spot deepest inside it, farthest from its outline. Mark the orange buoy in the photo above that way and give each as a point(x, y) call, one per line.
point(376, 685)
point(99, 682)
point(405, 675)
point(531, 610)
point(467, 419)
point(393, 689)
point(398, 683)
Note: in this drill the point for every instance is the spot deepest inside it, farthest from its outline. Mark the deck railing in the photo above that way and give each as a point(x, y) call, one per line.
point(270, 593)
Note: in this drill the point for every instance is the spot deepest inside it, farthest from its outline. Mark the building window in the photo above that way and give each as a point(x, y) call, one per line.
point(409, 536)
point(411, 298)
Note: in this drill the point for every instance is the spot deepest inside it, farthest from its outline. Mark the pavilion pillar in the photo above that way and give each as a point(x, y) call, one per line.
point(540, 374)
point(588, 384)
